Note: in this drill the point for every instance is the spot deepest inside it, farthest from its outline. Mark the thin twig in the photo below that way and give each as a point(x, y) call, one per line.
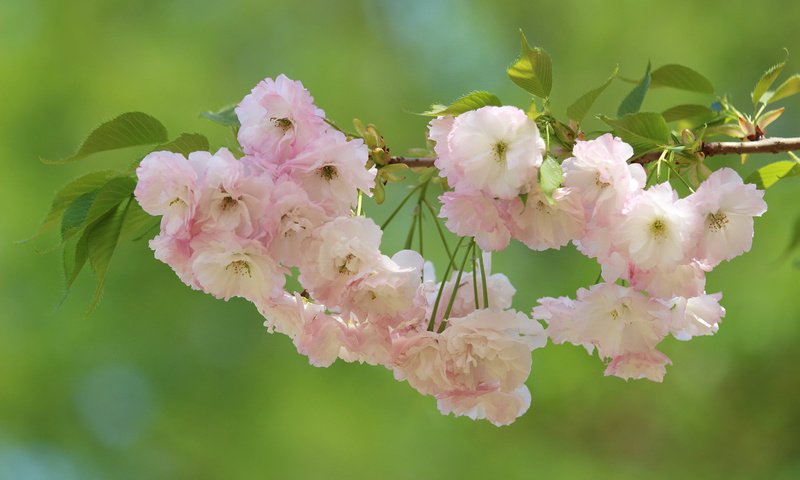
point(767, 145)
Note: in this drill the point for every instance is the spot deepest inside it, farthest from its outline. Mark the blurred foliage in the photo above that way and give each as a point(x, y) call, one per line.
point(165, 382)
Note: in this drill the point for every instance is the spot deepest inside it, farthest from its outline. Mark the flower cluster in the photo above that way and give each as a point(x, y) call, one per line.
point(654, 248)
point(491, 159)
point(236, 227)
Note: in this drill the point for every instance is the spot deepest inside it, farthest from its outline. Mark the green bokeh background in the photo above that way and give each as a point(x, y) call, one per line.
point(165, 382)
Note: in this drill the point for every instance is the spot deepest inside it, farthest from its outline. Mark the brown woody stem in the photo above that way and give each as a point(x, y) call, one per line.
point(767, 145)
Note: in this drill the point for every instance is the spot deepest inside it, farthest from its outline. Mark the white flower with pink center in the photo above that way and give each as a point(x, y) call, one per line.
point(167, 185)
point(332, 171)
point(600, 174)
point(613, 319)
point(657, 228)
point(497, 406)
point(696, 316)
point(339, 252)
point(386, 294)
point(226, 266)
point(726, 206)
point(231, 200)
point(293, 217)
point(491, 348)
point(278, 119)
point(637, 365)
point(418, 358)
point(541, 225)
point(494, 149)
point(475, 214)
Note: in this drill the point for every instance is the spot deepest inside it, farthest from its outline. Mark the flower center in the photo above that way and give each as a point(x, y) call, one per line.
point(658, 229)
point(229, 203)
point(540, 206)
point(240, 268)
point(717, 221)
point(175, 201)
point(500, 149)
point(344, 268)
point(282, 123)
point(600, 184)
point(328, 172)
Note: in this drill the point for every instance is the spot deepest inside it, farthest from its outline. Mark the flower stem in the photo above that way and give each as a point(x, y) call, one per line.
point(402, 202)
point(450, 303)
point(432, 322)
point(483, 282)
point(475, 280)
point(438, 228)
point(680, 176)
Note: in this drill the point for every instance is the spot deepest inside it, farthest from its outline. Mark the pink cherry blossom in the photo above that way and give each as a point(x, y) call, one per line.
point(497, 149)
point(475, 214)
point(542, 226)
point(696, 316)
point(601, 176)
point(726, 206)
point(418, 358)
point(497, 406)
point(332, 170)
point(637, 365)
point(657, 228)
point(294, 218)
point(491, 347)
point(226, 266)
point(339, 252)
point(613, 319)
point(386, 294)
point(167, 185)
point(278, 119)
point(231, 200)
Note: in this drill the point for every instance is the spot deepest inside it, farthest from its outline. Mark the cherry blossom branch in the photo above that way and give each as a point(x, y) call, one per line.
point(767, 145)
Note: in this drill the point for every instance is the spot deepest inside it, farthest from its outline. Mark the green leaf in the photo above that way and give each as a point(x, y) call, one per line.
point(768, 175)
point(471, 101)
point(74, 256)
point(681, 77)
point(633, 102)
point(127, 130)
point(766, 81)
point(581, 106)
point(92, 205)
point(102, 241)
point(788, 88)
point(224, 116)
point(550, 177)
point(687, 111)
point(533, 70)
point(185, 144)
point(645, 131)
point(138, 223)
point(68, 193)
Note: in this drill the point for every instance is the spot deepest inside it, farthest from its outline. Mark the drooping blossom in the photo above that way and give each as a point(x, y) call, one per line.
point(541, 225)
point(332, 170)
point(497, 150)
point(474, 214)
point(657, 228)
point(726, 206)
point(231, 200)
point(278, 119)
point(226, 266)
point(167, 185)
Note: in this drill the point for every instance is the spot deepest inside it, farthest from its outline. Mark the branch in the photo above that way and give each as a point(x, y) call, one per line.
point(767, 145)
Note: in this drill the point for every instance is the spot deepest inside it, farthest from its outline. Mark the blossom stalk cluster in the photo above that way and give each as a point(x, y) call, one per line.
point(237, 227)
point(654, 248)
